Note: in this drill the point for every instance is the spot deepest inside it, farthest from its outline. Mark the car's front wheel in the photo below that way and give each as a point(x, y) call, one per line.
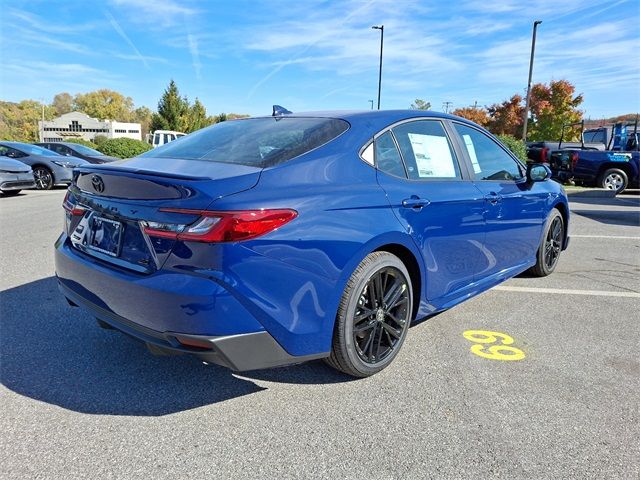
point(43, 178)
point(551, 245)
point(373, 317)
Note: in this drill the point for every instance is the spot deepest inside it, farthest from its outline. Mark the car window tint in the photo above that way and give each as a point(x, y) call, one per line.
point(259, 142)
point(489, 160)
point(426, 150)
point(387, 157)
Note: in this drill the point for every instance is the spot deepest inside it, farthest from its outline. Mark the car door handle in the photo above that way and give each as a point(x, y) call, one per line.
point(415, 202)
point(493, 198)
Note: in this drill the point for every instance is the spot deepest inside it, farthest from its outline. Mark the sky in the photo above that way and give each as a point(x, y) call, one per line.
point(244, 56)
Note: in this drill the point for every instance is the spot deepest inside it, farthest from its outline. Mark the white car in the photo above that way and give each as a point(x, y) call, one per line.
point(15, 176)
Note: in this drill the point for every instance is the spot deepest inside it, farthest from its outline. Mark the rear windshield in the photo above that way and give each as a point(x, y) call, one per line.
point(258, 142)
point(86, 150)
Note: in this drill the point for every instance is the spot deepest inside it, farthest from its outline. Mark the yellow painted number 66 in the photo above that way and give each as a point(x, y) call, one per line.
point(502, 351)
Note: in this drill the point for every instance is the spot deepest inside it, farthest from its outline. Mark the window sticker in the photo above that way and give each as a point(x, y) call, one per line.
point(472, 153)
point(433, 156)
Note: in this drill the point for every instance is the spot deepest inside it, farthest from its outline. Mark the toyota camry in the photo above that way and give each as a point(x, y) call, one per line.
point(275, 240)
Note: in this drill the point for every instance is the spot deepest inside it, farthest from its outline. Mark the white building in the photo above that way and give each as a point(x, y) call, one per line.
point(80, 125)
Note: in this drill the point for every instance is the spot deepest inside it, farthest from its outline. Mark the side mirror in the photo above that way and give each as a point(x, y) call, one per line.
point(538, 172)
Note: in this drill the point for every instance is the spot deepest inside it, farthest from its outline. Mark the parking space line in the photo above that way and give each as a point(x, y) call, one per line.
point(616, 237)
point(564, 291)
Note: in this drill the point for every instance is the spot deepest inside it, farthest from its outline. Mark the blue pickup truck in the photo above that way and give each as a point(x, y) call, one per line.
point(614, 169)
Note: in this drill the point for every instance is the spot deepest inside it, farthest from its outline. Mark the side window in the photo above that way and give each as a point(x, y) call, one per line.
point(426, 150)
point(3, 151)
point(387, 157)
point(489, 160)
point(58, 148)
point(13, 153)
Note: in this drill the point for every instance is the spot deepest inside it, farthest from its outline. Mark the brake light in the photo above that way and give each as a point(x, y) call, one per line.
point(543, 154)
point(213, 227)
point(70, 207)
point(574, 160)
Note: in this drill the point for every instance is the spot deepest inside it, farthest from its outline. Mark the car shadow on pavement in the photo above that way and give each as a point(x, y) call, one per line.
point(56, 354)
point(626, 218)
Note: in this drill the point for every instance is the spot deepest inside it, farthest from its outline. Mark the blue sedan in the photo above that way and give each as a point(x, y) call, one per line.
point(270, 241)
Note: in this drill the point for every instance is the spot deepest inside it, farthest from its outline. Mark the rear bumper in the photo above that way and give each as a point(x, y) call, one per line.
point(240, 352)
point(163, 307)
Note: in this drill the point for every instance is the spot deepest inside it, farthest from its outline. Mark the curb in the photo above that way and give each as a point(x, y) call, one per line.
point(591, 193)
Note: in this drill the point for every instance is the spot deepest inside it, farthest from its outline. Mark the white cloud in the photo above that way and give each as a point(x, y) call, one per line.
point(116, 26)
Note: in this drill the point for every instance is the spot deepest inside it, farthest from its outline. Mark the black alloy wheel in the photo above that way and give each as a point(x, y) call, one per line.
point(381, 316)
point(43, 178)
point(551, 245)
point(373, 317)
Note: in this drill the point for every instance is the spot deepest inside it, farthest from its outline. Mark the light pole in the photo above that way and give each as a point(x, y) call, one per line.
point(526, 104)
point(371, 102)
point(381, 28)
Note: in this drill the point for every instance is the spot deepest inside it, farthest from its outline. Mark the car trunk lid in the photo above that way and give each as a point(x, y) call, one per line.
point(107, 204)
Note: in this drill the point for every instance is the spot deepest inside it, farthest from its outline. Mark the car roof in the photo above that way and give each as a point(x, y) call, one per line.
point(392, 115)
point(14, 144)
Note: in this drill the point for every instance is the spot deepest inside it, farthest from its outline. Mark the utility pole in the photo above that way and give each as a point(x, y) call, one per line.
point(371, 102)
point(526, 105)
point(446, 105)
point(381, 28)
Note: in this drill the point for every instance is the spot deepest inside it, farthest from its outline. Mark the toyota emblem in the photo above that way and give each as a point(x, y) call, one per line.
point(98, 183)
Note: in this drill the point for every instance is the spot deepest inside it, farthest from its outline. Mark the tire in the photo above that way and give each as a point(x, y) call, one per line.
point(382, 332)
point(613, 179)
point(43, 178)
point(550, 246)
point(11, 193)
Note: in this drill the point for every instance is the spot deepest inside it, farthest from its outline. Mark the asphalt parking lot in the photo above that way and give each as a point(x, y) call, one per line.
point(80, 402)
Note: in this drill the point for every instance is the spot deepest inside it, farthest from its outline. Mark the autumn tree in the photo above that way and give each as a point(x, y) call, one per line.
point(19, 121)
point(105, 104)
point(475, 114)
point(62, 103)
point(553, 106)
point(172, 110)
point(506, 118)
point(419, 104)
point(143, 116)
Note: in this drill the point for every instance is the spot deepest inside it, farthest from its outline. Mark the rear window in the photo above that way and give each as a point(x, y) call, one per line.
point(258, 142)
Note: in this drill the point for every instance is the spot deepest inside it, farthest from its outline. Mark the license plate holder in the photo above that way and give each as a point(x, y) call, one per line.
point(106, 235)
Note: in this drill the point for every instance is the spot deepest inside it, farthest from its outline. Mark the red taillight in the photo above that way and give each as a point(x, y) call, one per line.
point(70, 207)
point(543, 154)
point(221, 226)
point(574, 160)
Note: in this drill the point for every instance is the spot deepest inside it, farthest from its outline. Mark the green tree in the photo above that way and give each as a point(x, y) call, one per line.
point(475, 114)
point(105, 104)
point(516, 145)
point(552, 106)
point(506, 118)
point(196, 117)
point(172, 110)
point(419, 104)
point(62, 103)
